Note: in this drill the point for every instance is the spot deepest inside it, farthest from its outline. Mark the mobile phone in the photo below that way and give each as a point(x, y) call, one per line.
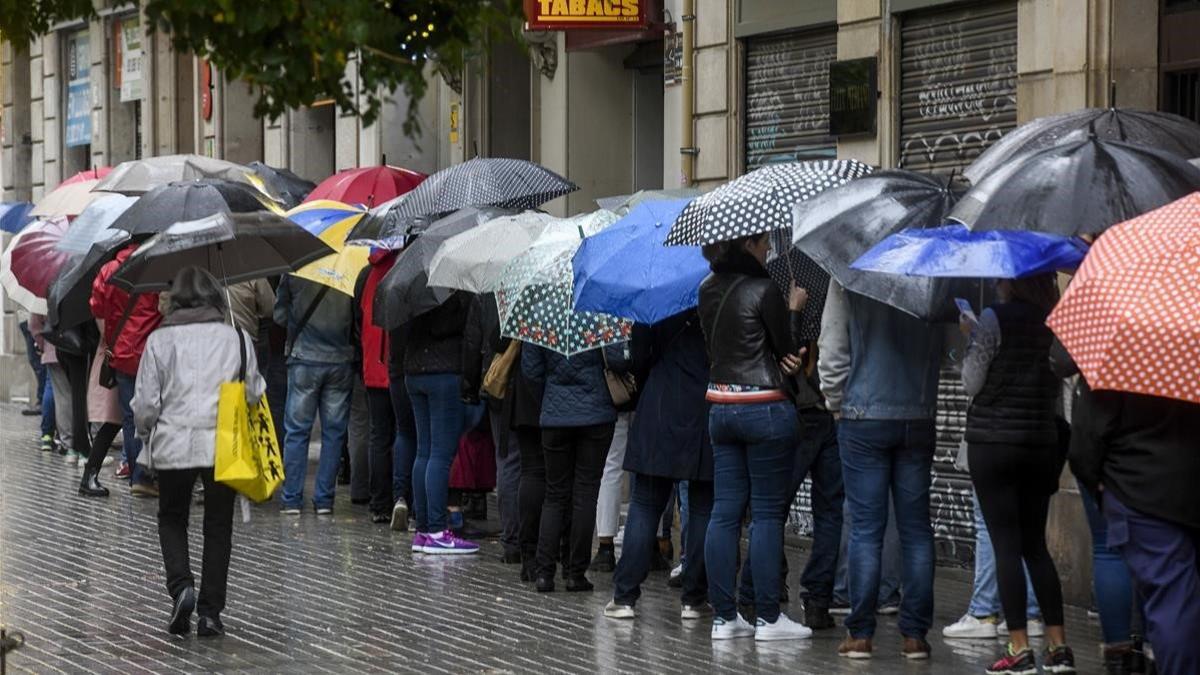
point(964, 308)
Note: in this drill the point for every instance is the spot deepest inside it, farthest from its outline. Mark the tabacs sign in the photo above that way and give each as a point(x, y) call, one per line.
point(585, 14)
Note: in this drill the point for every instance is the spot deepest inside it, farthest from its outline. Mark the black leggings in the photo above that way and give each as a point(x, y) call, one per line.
point(1013, 484)
point(101, 443)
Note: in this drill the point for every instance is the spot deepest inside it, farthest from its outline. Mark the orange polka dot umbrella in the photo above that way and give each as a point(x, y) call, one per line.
point(1131, 317)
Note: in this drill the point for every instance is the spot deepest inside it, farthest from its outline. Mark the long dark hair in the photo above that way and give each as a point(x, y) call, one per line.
point(728, 252)
point(194, 287)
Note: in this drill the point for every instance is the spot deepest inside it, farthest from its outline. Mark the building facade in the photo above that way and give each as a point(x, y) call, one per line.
point(709, 90)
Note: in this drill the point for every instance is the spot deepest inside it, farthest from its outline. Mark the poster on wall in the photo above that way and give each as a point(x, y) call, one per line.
point(131, 59)
point(79, 97)
point(584, 14)
point(672, 58)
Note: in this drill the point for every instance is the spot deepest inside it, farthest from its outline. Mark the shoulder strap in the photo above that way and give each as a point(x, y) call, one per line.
point(721, 305)
point(308, 314)
point(242, 353)
point(124, 319)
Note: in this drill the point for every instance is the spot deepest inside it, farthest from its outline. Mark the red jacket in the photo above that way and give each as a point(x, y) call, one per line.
point(108, 304)
point(374, 339)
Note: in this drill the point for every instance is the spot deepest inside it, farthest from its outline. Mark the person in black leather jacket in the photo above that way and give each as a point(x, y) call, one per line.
point(753, 427)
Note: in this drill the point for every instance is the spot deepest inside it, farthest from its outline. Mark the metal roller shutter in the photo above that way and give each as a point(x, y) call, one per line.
point(958, 94)
point(787, 97)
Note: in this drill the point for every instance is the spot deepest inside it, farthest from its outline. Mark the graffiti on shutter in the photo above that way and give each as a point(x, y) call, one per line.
point(958, 90)
point(787, 98)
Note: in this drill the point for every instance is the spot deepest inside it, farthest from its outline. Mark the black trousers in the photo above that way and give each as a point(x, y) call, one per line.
point(574, 465)
point(76, 367)
point(1013, 484)
point(531, 492)
point(174, 503)
point(379, 450)
point(101, 443)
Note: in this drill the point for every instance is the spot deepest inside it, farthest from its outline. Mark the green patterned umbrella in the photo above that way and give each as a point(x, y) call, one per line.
point(535, 292)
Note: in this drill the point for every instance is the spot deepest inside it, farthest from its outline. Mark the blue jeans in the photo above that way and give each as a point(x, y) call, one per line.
point(1111, 581)
point(649, 498)
point(440, 416)
point(818, 455)
point(882, 458)
point(48, 409)
point(985, 594)
point(133, 444)
point(314, 388)
point(35, 362)
point(404, 452)
point(754, 447)
point(889, 574)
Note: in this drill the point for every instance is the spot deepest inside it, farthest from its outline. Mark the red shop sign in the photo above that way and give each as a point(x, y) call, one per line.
point(585, 14)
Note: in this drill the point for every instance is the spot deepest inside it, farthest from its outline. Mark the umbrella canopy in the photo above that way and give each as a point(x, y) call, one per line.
point(535, 295)
point(369, 185)
point(287, 186)
point(187, 201)
point(14, 216)
point(626, 271)
point(621, 204)
point(68, 298)
point(67, 200)
point(234, 247)
point(1131, 317)
point(837, 226)
point(472, 261)
point(1082, 185)
point(93, 222)
point(97, 173)
point(404, 292)
point(1164, 131)
point(330, 221)
point(758, 202)
point(483, 181)
point(139, 176)
point(955, 251)
point(31, 262)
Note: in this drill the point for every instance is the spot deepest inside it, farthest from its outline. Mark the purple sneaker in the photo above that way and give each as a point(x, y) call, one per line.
point(420, 539)
point(446, 543)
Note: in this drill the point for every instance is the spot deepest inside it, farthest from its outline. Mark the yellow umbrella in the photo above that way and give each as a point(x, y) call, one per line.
point(331, 221)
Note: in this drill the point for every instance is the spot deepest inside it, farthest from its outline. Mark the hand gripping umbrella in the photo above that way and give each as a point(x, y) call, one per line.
point(187, 201)
point(233, 247)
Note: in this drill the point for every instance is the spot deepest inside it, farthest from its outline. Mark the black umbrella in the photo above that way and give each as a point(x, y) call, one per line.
point(404, 292)
point(234, 247)
point(484, 181)
point(839, 225)
point(185, 201)
point(1083, 185)
point(760, 201)
point(290, 188)
point(67, 301)
point(1164, 131)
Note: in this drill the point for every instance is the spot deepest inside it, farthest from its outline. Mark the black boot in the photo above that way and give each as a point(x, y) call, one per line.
point(817, 616)
point(90, 485)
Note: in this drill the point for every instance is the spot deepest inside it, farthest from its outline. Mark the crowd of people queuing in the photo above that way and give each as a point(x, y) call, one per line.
point(732, 413)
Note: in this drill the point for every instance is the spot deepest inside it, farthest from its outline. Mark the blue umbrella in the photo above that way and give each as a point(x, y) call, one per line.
point(14, 216)
point(626, 271)
point(955, 251)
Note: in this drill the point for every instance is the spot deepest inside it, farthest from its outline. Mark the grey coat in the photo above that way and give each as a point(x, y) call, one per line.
point(178, 384)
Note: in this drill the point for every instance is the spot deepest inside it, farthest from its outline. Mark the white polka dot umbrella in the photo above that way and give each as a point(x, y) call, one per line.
point(760, 201)
point(1131, 317)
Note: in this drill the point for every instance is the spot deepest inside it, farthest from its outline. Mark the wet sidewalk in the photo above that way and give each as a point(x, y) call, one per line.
point(82, 579)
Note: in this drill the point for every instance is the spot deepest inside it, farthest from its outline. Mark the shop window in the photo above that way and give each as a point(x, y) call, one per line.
point(1181, 93)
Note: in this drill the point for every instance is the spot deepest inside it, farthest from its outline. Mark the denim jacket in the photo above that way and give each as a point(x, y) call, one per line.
point(326, 337)
point(877, 362)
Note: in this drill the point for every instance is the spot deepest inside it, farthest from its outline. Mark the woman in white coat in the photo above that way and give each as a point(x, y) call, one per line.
point(185, 362)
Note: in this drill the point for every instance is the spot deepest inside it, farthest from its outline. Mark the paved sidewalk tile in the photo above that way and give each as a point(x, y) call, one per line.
point(82, 579)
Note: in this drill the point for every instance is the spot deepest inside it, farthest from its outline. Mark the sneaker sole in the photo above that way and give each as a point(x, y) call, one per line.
point(739, 636)
point(857, 656)
point(759, 637)
point(974, 635)
point(1027, 671)
point(918, 656)
point(400, 520)
point(625, 615)
point(692, 616)
point(437, 550)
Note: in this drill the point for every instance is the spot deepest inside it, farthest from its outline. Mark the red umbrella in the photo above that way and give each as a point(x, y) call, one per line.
point(1131, 317)
point(370, 185)
point(31, 263)
point(91, 174)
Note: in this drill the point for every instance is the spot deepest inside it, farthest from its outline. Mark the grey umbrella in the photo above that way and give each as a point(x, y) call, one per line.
point(483, 181)
point(187, 200)
point(67, 300)
point(1082, 185)
point(234, 247)
point(405, 291)
point(839, 225)
point(1164, 131)
point(139, 176)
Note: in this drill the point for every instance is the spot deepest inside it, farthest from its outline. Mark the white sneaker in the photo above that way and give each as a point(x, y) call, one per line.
point(783, 629)
point(614, 611)
point(400, 516)
point(972, 628)
point(676, 571)
point(1033, 627)
point(694, 612)
point(729, 630)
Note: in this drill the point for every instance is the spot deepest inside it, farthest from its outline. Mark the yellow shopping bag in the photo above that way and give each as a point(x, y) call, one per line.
point(247, 454)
